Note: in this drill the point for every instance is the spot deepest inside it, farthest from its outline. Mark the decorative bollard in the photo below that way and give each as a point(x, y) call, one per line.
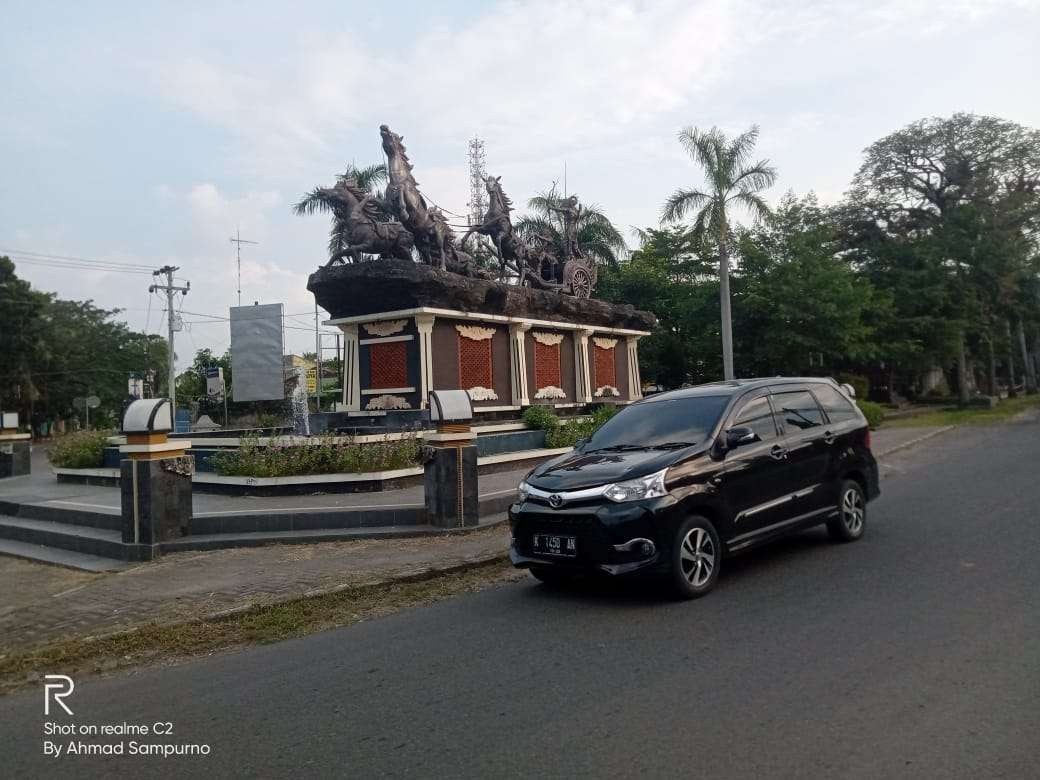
point(450, 459)
point(155, 478)
point(15, 448)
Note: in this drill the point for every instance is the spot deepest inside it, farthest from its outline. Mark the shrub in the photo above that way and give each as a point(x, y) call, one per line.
point(566, 434)
point(328, 454)
point(872, 411)
point(79, 450)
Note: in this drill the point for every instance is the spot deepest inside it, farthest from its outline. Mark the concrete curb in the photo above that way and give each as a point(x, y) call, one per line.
point(914, 442)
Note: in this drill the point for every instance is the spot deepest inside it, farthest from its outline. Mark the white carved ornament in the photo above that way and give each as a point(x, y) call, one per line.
point(482, 394)
point(550, 391)
point(386, 327)
point(548, 339)
point(385, 402)
point(605, 343)
point(475, 332)
point(606, 390)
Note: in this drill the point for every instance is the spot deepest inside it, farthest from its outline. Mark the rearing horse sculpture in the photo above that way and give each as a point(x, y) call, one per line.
point(367, 231)
point(498, 226)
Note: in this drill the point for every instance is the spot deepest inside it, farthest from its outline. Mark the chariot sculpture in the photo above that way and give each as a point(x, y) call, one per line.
point(403, 221)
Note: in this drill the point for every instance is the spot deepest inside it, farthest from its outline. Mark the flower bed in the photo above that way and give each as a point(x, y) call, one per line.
point(79, 450)
point(328, 454)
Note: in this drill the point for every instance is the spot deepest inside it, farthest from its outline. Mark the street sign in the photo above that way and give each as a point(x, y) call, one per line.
point(135, 387)
point(312, 379)
point(215, 382)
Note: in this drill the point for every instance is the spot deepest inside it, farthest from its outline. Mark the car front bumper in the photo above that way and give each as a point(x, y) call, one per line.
point(611, 538)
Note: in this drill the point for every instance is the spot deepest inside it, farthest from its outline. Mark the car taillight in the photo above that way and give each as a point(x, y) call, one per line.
point(866, 439)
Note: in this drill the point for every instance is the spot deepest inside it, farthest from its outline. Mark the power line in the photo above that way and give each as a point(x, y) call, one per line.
point(48, 256)
point(76, 266)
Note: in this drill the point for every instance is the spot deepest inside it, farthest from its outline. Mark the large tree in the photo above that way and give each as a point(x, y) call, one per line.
point(956, 199)
point(731, 181)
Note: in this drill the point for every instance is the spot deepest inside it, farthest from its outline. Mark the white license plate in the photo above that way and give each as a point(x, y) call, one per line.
point(551, 544)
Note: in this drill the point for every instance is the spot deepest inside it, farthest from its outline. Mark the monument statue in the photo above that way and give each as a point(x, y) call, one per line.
point(402, 221)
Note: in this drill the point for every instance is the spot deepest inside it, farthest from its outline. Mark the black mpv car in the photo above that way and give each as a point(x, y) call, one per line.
point(677, 481)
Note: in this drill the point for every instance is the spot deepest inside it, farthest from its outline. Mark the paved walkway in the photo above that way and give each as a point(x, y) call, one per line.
point(46, 603)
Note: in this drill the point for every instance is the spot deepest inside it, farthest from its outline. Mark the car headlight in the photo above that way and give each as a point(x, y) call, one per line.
point(523, 491)
point(650, 486)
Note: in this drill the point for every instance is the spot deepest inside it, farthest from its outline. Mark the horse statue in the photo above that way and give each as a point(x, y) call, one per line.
point(364, 214)
point(498, 226)
point(407, 204)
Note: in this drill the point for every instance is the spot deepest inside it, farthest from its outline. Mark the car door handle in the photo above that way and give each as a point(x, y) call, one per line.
point(829, 437)
point(778, 452)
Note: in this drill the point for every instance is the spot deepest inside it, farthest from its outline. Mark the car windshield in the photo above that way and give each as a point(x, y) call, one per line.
point(668, 423)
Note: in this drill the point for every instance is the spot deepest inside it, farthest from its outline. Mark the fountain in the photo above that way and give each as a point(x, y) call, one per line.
point(298, 402)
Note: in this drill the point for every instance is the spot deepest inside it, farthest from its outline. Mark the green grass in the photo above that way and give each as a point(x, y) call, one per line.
point(1004, 411)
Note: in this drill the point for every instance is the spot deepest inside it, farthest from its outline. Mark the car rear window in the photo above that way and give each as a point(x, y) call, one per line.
point(838, 407)
point(655, 423)
point(798, 410)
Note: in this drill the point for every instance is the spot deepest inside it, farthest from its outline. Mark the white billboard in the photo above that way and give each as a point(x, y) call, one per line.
point(256, 353)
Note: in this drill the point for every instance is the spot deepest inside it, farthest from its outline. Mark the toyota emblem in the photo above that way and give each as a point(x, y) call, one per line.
point(555, 500)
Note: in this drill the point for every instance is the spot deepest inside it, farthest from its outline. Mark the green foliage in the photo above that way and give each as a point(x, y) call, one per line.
point(872, 411)
point(79, 450)
point(53, 350)
point(264, 420)
point(328, 454)
point(541, 418)
point(859, 383)
point(566, 434)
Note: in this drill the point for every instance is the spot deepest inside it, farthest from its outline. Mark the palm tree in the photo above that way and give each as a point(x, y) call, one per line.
point(597, 237)
point(318, 201)
point(731, 179)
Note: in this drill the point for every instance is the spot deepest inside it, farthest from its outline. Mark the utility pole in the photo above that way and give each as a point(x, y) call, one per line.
point(317, 361)
point(238, 241)
point(169, 288)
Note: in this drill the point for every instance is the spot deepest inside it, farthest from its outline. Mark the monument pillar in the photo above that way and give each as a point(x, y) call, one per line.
point(582, 379)
point(635, 382)
point(351, 368)
point(424, 325)
point(155, 479)
point(450, 460)
point(518, 363)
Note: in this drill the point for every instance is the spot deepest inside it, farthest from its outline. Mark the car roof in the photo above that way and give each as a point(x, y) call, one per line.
point(737, 386)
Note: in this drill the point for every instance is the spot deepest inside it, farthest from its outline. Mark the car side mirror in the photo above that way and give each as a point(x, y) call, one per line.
point(739, 436)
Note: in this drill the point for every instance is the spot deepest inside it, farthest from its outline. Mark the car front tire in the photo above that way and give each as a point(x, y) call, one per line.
point(696, 558)
point(851, 520)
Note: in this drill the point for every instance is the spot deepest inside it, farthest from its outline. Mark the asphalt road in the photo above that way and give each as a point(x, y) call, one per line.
point(912, 653)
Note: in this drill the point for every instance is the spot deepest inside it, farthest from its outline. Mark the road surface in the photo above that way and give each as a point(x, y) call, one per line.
point(913, 653)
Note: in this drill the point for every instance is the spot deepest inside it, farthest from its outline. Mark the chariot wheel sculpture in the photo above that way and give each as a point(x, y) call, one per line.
point(579, 278)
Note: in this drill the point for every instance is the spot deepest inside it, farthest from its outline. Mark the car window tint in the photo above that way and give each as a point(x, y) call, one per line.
point(656, 422)
point(757, 415)
point(798, 410)
point(838, 407)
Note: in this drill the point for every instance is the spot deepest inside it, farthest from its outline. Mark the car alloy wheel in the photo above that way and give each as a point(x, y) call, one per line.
point(852, 511)
point(697, 557)
point(849, 522)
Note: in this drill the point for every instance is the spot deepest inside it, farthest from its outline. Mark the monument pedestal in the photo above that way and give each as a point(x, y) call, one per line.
point(452, 499)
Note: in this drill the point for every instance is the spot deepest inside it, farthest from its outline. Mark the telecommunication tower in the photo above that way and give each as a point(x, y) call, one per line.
point(477, 175)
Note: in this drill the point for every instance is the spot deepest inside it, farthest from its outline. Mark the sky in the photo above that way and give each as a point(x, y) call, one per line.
point(148, 133)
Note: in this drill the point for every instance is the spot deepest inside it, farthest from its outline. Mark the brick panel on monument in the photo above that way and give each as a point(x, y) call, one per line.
point(475, 363)
point(388, 364)
point(605, 371)
point(547, 365)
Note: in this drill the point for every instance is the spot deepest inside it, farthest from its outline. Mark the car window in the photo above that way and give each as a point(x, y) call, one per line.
point(668, 421)
point(838, 407)
point(757, 414)
point(798, 410)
